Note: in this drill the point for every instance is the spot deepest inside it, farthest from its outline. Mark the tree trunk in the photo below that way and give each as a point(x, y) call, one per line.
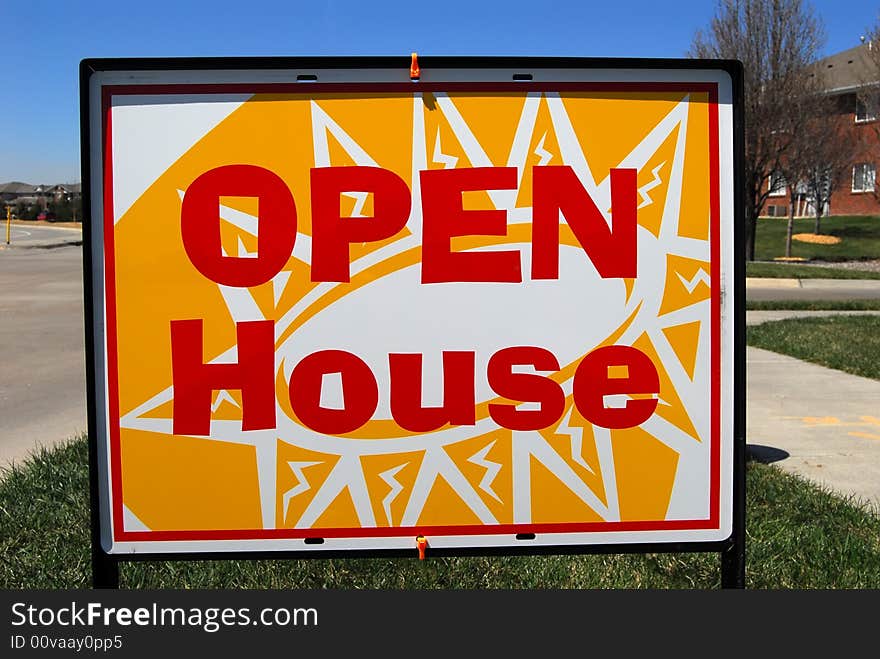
point(790, 229)
point(751, 222)
point(817, 225)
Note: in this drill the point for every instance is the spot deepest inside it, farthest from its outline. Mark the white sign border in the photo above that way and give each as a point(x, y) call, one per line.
point(726, 163)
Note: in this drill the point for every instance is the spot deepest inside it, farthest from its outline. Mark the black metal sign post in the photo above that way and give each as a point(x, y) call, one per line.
point(733, 559)
point(105, 568)
point(105, 565)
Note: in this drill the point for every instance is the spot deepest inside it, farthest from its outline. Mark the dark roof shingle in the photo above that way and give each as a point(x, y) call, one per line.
point(850, 69)
point(17, 187)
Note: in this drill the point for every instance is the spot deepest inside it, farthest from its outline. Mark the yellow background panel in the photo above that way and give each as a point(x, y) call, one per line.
point(494, 130)
point(286, 479)
point(694, 211)
point(553, 502)
point(561, 443)
point(177, 482)
point(685, 340)
point(445, 508)
point(650, 215)
point(670, 406)
point(549, 150)
point(680, 269)
point(405, 468)
point(340, 514)
point(645, 469)
point(609, 125)
point(500, 453)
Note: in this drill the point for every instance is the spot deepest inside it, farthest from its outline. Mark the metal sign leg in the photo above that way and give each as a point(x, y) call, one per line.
point(105, 570)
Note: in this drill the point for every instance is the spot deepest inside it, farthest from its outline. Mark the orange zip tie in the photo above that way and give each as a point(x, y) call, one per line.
point(422, 546)
point(414, 71)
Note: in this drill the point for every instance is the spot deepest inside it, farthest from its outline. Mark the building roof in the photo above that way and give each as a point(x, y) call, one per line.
point(850, 69)
point(17, 187)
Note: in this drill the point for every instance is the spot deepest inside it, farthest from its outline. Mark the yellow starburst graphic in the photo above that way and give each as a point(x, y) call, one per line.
point(381, 479)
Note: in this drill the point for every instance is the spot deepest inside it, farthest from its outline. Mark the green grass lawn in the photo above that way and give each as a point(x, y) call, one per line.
point(794, 271)
point(814, 305)
point(799, 536)
point(860, 238)
point(829, 341)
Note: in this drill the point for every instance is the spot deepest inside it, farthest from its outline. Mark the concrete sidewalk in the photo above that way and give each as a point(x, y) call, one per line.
point(815, 422)
point(812, 421)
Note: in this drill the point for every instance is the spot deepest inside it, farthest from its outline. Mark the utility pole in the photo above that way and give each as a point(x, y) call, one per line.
point(8, 223)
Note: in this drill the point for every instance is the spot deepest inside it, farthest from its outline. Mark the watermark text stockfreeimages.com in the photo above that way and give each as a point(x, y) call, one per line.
point(209, 619)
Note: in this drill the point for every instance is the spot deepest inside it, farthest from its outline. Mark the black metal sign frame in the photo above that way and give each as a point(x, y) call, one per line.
point(732, 550)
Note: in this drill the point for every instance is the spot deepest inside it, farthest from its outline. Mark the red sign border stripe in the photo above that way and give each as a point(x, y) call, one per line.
point(120, 535)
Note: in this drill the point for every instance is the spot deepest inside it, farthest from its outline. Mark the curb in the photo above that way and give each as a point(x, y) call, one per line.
point(824, 284)
point(46, 245)
point(768, 282)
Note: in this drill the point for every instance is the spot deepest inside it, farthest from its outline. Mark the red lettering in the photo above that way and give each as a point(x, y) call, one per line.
point(443, 218)
point(525, 387)
point(194, 381)
point(458, 392)
point(592, 382)
point(332, 234)
point(200, 224)
point(612, 251)
point(360, 392)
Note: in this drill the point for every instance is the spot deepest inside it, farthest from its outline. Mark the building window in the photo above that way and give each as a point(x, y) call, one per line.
point(776, 182)
point(864, 175)
point(777, 211)
point(864, 112)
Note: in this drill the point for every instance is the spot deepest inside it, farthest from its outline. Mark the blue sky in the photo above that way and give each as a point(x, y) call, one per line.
point(44, 41)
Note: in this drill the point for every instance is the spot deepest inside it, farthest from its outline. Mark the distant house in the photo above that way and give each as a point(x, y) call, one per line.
point(25, 200)
point(15, 190)
point(66, 190)
point(848, 77)
point(20, 194)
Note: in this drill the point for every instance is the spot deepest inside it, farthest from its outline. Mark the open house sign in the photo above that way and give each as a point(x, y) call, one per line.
point(337, 309)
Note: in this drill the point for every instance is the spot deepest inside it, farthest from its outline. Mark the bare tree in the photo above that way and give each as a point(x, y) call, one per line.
point(827, 154)
point(776, 40)
point(818, 155)
point(794, 163)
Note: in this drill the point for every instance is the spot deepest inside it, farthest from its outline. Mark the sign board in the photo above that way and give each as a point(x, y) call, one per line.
point(333, 308)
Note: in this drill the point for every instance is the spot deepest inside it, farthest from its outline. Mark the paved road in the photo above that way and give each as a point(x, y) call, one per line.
point(813, 289)
point(42, 362)
point(24, 235)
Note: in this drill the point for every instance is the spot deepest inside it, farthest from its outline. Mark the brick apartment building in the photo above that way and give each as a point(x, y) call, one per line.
point(846, 76)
